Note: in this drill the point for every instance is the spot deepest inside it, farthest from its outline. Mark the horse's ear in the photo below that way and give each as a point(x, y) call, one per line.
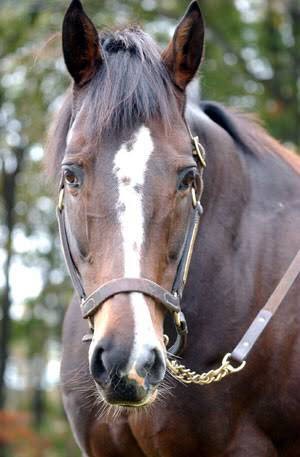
point(81, 47)
point(183, 54)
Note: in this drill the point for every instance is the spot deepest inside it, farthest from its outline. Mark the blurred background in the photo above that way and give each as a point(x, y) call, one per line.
point(252, 62)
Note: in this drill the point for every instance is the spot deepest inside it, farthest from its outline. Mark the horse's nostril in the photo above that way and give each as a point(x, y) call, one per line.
point(158, 367)
point(154, 368)
point(97, 367)
point(149, 363)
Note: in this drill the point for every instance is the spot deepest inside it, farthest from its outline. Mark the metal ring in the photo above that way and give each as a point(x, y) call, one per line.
point(60, 204)
point(194, 197)
point(166, 340)
point(233, 369)
point(177, 319)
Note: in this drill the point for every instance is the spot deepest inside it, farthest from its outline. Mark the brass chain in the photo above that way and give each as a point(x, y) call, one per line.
point(187, 376)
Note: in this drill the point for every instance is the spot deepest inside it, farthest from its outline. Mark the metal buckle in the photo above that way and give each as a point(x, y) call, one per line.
point(199, 150)
point(180, 322)
point(89, 336)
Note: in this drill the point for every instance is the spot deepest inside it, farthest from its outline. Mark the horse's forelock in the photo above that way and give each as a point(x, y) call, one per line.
point(133, 86)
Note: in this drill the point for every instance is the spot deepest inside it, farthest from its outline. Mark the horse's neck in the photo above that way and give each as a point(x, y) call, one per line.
point(232, 272)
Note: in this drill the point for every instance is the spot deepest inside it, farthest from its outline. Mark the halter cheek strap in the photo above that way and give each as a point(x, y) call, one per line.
point(71, 266)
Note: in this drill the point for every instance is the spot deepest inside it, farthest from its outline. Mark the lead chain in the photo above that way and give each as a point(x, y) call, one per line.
point(187, 376)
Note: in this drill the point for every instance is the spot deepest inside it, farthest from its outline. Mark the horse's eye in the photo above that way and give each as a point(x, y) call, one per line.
point(186, 178)
point(70, 178)
point(72, 175)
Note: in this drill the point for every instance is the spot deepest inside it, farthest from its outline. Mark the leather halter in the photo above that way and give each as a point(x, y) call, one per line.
point(170, 300)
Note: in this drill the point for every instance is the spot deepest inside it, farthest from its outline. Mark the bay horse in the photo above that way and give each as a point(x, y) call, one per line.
point(130, 180)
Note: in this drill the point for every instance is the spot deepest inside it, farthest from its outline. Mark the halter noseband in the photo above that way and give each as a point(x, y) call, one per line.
point(170, 300)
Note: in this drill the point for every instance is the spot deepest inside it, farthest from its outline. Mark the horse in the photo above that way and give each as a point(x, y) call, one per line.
point(127, 152)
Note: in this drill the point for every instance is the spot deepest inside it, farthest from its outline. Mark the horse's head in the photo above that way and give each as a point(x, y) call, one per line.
point(127, 172)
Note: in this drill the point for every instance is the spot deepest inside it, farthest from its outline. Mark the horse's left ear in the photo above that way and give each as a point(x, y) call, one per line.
point(81, 47)
point(183, 54)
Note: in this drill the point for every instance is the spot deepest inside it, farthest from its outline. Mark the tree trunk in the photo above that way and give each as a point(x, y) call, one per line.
point(38, 407)
point(9, 182)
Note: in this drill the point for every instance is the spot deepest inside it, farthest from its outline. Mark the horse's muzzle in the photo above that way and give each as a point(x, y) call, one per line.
point(123, 385)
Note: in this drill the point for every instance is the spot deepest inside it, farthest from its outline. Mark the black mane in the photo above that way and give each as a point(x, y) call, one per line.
point(237, 124)
point(248, 133)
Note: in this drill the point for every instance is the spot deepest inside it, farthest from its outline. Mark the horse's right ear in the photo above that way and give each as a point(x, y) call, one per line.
point(81, 47)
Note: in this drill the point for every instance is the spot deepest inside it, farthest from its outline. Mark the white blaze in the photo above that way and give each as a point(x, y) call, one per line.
point(130, 167)
point(70, 134)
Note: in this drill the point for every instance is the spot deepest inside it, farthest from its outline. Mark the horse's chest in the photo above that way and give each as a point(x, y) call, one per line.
point(151, 436)
point(247, 440)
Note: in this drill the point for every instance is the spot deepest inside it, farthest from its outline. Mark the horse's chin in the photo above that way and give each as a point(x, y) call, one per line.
point(130, 405)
